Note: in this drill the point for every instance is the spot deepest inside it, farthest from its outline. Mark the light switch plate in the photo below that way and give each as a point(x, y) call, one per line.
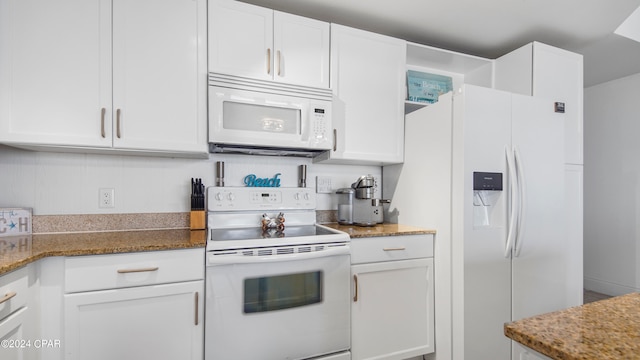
point(323, 185)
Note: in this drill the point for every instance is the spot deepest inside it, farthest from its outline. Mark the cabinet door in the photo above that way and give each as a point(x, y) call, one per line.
point(240, 39)
point(558, 75)
point(159, 75)
point(55, 72)
point(367, 77)
point(301, 50)
point(12, 334)
point(148, 322)
point(545, 71)
point(392, 309)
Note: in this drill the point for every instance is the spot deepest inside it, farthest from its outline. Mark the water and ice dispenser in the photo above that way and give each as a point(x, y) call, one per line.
point(487, 188)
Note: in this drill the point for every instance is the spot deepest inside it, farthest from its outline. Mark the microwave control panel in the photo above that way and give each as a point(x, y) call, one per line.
point(320, 122)
point(319, 126)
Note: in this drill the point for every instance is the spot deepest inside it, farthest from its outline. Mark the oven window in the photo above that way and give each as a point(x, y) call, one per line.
point(282, 292)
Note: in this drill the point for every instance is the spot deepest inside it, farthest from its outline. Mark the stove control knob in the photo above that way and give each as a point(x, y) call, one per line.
point(219, 196)
point(231, 197)
point(296, 196)
point(306, 196)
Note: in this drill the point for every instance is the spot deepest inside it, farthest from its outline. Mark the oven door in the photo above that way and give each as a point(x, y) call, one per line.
point(292, 306)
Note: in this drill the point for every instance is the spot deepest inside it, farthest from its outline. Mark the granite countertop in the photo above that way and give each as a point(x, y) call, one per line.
point(18, 251)
point(379, 230)
point(605, 329)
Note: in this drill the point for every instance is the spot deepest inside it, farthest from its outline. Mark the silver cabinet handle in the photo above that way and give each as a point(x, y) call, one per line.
point(269, 61)
point(126, 271)
point(279, 64)
point(395, 249)
point(8, 297)
point(355, 280)
point(103, 112)
point(335, 140)
point(196, 299)
point(118, 123)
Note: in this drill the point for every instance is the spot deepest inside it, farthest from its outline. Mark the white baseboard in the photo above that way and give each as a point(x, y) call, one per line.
point(607, 288)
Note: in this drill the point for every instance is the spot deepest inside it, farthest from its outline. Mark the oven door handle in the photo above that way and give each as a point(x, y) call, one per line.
point(248, 259)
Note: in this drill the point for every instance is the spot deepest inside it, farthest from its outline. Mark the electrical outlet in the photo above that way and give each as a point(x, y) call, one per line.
point(106, 198)
point(323, 185)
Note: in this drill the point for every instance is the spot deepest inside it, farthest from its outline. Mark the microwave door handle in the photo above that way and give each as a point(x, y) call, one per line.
point(248, 259)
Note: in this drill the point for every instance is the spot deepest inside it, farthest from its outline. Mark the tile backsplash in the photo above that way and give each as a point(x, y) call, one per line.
point(68, 183)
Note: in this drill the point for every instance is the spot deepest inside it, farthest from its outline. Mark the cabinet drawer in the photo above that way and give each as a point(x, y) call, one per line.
point(13, 291)
point(97, 272)
point(389, 248)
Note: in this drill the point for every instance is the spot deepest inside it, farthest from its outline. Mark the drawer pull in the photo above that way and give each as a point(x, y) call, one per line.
point(126, 271)
point(8, 297)
point(395, 249)
point(355, 280)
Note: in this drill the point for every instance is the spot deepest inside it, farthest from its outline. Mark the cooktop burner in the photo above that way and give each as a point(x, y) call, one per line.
point(258, 233)
point(242, 218)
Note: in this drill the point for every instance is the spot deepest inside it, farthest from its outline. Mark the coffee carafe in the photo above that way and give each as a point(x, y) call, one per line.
point(345, 205)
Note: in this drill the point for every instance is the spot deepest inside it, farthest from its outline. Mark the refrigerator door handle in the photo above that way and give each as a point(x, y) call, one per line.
point(513, 202)
point(521, 203)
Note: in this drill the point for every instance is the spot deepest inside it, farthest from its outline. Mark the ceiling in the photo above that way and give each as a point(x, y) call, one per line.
point(491, 28)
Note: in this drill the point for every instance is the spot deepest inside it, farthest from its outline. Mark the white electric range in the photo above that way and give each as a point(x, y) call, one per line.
point(278, 292)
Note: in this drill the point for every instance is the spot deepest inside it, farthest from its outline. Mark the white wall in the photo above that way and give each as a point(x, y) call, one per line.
point(612, 186)
point(67, 183)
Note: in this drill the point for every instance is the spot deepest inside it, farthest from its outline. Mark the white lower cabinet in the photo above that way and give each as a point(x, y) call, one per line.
point(392, 312)
point(17, 327)
point(149, 322)
point(15, 345)
point(524, 353)
point(162, 318)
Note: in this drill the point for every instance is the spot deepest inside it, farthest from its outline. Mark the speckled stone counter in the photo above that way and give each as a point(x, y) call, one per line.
point(379, 230)
point(18, 251)
point(605, 329)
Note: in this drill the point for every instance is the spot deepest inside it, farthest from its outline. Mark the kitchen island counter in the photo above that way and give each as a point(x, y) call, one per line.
point(385, 229)
point(606, 329)
point(18, 251)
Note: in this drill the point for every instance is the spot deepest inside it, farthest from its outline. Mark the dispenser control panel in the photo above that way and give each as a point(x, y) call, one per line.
point(487, 181)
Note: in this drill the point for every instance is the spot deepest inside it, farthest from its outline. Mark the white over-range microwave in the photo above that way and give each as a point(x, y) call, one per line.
point(262, 117)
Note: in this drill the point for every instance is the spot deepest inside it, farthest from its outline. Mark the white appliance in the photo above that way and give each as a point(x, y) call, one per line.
point(263, 117)
point(501, 250)
point(277, 293)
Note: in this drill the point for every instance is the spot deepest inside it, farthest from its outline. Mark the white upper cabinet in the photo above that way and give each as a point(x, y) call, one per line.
point(545, 71)
point(53, 75)
point(368, 82)
point(127, 75)
point(301, 50)
point(240, 39)
point(260, 43)
point(159, 75)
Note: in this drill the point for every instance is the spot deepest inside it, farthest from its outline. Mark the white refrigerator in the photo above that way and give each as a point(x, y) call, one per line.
point(485, 168)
